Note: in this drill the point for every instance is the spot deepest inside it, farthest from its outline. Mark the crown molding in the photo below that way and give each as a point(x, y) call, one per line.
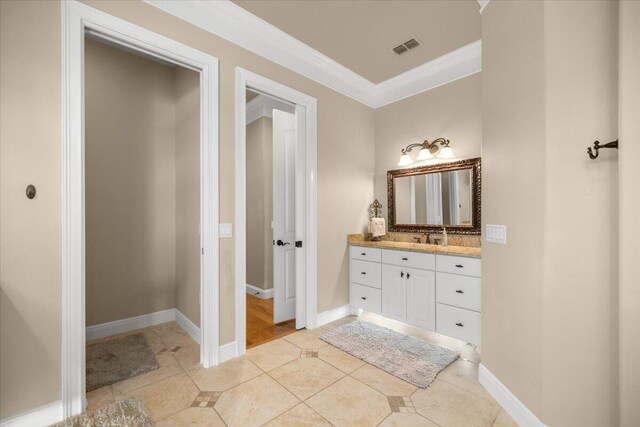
point(233, 23)
point(483, 4)
point(263, 106)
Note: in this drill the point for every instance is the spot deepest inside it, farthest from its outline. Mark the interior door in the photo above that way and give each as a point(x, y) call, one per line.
point(394, 292)
point(284, 216)
point(421, 298)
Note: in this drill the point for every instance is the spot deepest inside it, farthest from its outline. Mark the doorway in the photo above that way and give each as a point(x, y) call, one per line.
point(292, 236)
point(270, 188)
point(80, 20)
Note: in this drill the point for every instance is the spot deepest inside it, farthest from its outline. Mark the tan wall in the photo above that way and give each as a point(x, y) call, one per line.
point(629, 158)
point(549, 89)
point(187, 158)
point(451, 111)
point(31, 35)
point(259, 203)
point(29, 229)
point(130, 185)
point(513, 132)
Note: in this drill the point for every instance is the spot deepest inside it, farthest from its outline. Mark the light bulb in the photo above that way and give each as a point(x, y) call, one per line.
point(405, 160)
point(446, 153)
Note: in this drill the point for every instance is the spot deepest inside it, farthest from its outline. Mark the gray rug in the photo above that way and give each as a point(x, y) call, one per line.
point(128, 413)
point(408, 358)
point(116, 360)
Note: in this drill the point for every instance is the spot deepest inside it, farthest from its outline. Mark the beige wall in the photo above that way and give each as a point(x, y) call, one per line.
point(451, 111)
point(187, 206)
point(130, 185)
point(260, 203)
point(31, 35)
point(29, 229)
point(550, 295)
point(629, 158)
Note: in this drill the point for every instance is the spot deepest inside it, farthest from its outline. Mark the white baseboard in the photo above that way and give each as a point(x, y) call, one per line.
point(514, 407)
point(43, 416)
point(259, 292)
point(228, 351)
point(333, 314)
point(188, 326)
point(130, 324)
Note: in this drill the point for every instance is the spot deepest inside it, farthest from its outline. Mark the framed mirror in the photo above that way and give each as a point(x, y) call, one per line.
point(429, 198)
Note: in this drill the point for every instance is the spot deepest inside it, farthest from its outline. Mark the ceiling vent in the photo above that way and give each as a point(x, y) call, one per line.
point(410, 44)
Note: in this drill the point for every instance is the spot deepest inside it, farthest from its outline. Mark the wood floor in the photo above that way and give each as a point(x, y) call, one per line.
point(260, 326)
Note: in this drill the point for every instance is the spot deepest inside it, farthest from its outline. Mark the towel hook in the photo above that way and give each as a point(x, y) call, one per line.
point(597, 146)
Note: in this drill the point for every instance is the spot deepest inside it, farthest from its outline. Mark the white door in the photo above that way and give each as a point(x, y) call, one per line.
point(284, 216)
point(421, 298)
point(394, 292)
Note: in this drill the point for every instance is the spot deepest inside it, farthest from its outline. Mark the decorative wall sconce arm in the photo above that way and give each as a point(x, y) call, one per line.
point(593, 153)
point(427, 150)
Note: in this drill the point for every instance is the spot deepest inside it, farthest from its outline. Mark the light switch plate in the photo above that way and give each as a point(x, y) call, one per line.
point(497, 234)
point(225, 230)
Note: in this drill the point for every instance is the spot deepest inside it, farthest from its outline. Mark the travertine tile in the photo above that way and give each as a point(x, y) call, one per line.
point(331, 326)
point(100, 397)
point(504, 420)
point(349, 402)
point(464, 374)
point(168, 367)
point(299, 416)
point(188, 356)
point(340, 359)
point(382, 381)
point(224, 376)
point(254, 402)
point(398, 419)
point(305, 340)
point(166, 397)
point(448, 405)
point(306, 376)
point(273, 354)
point(205, 417)
point(172, 334)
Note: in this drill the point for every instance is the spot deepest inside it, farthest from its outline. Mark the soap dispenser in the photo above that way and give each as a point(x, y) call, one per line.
point(445, 239)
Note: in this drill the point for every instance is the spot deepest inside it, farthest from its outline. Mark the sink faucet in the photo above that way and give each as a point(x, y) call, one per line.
point(426, 237)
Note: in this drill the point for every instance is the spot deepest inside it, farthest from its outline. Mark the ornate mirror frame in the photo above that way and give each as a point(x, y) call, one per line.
point(476, 226)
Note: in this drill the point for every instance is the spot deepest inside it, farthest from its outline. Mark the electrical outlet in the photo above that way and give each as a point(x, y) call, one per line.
point(496, 234)
point(225, 231)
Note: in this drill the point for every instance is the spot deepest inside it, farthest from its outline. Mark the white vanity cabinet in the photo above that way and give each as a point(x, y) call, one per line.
point(435, 292)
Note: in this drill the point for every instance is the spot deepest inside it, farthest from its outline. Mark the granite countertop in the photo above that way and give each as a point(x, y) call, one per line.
point(359, 240)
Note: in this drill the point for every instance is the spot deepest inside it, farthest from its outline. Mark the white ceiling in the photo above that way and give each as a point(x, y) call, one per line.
point(360, 34)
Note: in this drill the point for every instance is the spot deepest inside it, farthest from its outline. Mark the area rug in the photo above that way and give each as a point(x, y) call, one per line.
point(116, 360)
point(128, 413)
point(408, 358)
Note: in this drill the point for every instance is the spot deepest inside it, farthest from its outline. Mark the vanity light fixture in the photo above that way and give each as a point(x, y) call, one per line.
point(427, 150)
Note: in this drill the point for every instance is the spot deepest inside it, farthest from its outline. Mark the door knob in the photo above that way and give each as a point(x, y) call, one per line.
point(281, 243)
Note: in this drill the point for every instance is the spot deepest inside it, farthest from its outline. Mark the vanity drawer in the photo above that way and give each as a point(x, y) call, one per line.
point(458, 265)
point(366, 298)
point(409, 259)
point(459, 291)
point(458, 323)
point(365, 272)
point(364, 253)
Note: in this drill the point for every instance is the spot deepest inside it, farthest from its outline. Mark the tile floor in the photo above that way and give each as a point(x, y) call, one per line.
point(299, 380)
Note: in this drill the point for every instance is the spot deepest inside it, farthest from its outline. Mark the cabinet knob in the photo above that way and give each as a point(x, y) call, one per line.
point(408, 275)
point(363, 254)
point(402, 274)
point(363, 272)
point(363, 298)
point(405, 259)
point(459, 265)
point(460, 291)
point(460, 324)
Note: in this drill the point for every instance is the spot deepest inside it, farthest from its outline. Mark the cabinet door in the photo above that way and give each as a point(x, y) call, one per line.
point(421, 298)
point(394, 292)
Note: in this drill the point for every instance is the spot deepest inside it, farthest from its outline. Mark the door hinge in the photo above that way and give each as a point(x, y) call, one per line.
point(298, 243)
point(202, 251)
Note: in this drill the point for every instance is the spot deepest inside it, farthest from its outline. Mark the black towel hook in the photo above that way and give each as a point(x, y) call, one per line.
point(597, 146)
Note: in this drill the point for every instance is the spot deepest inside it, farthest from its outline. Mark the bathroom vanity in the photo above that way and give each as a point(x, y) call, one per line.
point(435, 288)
